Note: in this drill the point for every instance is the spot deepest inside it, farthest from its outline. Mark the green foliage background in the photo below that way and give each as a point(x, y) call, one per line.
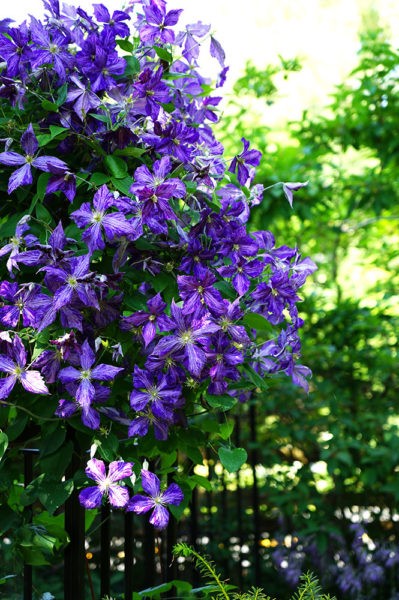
point(335, 453)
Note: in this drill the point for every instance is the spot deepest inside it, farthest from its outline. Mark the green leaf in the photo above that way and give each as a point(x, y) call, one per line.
point(163, 54)
point(132, 66)
point(62, 94)
point(3, 444)
point(255, 378)
point(107, 447)
point(122, 185)
point(99, 178)
point(125, 45)
point(4, 579)
point(49, 106)
point(52, 494)
point(116, 166)
point(130, 151)
point(42, 214)
point(226, 429)
point(221, 402)
point(201, 481)
point(258, 322)
point(42, 181)
point(232, 458)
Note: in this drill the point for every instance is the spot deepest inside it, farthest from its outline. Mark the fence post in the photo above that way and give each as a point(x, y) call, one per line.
point(28, 454)
point(105, 551)
point(74, 554)
point(128, 555)
point(255, 495)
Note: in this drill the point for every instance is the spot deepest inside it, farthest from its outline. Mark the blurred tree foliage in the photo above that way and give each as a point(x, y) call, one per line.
point(336, 452)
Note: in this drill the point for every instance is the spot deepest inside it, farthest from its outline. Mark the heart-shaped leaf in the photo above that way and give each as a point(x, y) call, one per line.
point(232, 458)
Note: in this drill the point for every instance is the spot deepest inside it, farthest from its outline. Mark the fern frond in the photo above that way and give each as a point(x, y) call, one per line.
point(253, 594)
point(310, 589)
point(204, 565)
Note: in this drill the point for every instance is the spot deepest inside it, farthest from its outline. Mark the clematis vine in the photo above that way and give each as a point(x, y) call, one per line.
point(130, 282)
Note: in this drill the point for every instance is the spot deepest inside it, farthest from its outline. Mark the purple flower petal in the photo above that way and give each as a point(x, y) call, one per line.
point(87, 356)
point(90, 497)
point(118, 496)
point(22, 176)
point(105, 372)
point(6, 385)
point(140, 504)
point(159, 517)
point(119, 469)
point(95, 469)
point(150, 482)
point(13, 159)
point(33, 382)
point(29, 141)
point(6, 364)
point(173, 495)
point(85, 393)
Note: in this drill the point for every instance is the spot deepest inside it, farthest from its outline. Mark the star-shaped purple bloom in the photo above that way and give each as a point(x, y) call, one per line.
point(189, 337)
point(114, 23)
point(156, 500)
point(149, 321)
point(31, 380)
point(107, 484)
point(242, 162)
point(23, 175)
point(199, 293)
point(85, 392)
point(156, 391)
point(76, 281)
point(99, 219)
point(155, 28)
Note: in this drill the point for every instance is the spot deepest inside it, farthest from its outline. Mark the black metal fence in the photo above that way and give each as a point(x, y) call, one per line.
point(123, 553)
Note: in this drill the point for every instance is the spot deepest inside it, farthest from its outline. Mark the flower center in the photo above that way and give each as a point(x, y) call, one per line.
point(97, 216)
point(72, 281)
point(154, 393)
point(18, 371)
point(85, 374)
point(187, 337)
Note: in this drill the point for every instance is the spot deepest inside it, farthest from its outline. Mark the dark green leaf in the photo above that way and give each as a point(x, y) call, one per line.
point(232, 458)
point(116, 166)
point(3, 443)
point(163, 54)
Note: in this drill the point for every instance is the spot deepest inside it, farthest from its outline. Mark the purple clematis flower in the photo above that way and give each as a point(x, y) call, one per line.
point(107, 484)
point(114, 224)
point(84, 100)
point(149, 321)
point(199, 294)
point(189, 337)
point(85, 392)
point(114, 23)
point(18, 243)
point(187, 40)
point(242, 162)
point(25, 301)
point(156, 500)
point(23, 175)
point(76, 281)
point(155, 28)
point(31, 380)
point(156, 392)
point(50, 47)
point(290, 187)
point(14, 49)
